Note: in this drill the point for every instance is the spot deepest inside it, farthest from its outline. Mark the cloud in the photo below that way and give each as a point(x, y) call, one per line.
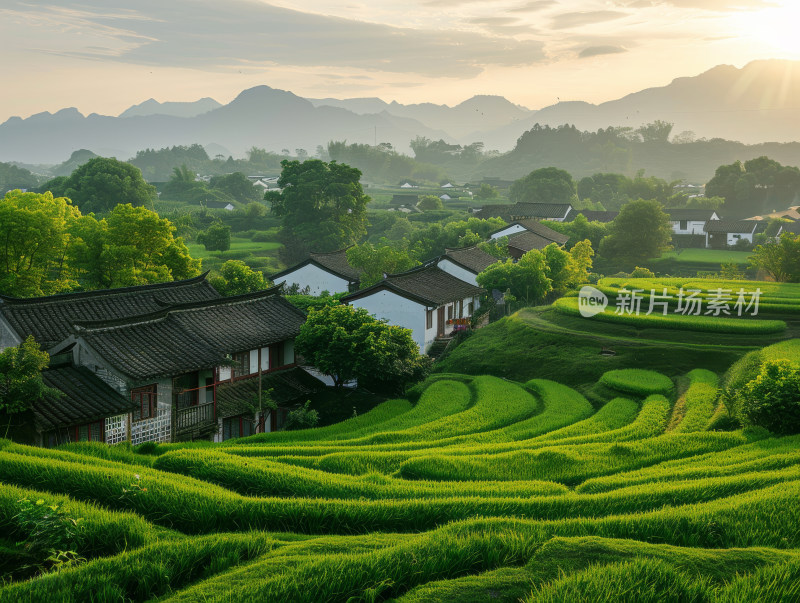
point(593, 51)
point(569, 20)
point(715, 5)
point(206, 34)
point(532, 7)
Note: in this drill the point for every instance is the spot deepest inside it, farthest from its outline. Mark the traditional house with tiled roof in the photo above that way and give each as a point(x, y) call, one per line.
point(321, 272)
point(526, 235)
point(427, 300)
point(555, 212)
point(145, 363)
point(465, 262)
point(726, 233)
point(592, 215)
point(171, 362)
point(690, 221)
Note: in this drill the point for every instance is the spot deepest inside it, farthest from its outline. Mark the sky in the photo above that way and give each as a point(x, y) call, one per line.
point(102, 56)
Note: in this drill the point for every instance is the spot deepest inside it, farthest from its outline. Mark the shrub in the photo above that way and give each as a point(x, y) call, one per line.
point(772, 400)
point(640, 272)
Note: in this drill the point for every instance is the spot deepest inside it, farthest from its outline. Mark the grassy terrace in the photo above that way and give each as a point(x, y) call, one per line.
point(540, 471)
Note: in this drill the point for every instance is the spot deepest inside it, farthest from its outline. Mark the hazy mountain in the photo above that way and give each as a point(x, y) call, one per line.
point(261, 116)
point(153, 107)
point(462, 121)
point(757, 103)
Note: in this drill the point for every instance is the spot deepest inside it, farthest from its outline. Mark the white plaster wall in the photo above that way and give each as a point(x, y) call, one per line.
point(316, 279)
point(694, 227)
point(253, 362)
point(224, 373)
point(457, 271)
point(513, 229)
point(732, 239)
point(399, 311)
point(8, 338)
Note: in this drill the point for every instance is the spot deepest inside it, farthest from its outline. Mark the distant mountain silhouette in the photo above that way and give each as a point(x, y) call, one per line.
point(153, 107)
point(757, 103)
point(261, 116)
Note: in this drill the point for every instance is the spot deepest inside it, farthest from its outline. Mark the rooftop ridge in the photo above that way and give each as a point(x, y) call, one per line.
point(45, 299)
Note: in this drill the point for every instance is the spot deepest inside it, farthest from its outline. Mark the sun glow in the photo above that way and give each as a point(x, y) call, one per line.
point(777, 28)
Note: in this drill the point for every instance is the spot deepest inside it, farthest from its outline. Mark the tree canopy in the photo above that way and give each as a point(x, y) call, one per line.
point(780, 260)
point(640, 232)
point(772, 399)
point(755, 187)
point(235, 278)
point(545, 185)
point(103, 182)
point(322, 206)
point(347, 343)
point(374, 261)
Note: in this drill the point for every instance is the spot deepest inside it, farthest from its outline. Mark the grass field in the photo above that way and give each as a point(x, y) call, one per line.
point(604, 487)
point(257, 255)
point(707, 256)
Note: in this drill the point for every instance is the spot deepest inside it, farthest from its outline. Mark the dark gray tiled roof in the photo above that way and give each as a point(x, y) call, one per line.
point(333, 261)
point(725, 226)
point(50, 319)
point(525, 241)
point(543, 231)
point(695, 215)
point(428, 285)
point(404, 200)
point(592, 215)
point(86, 399)
point(525, 211)
point(288, 386)
point(472, 258)
point(191, 337)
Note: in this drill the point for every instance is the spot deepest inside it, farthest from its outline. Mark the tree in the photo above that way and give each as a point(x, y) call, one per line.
point(526, 279)
point(237, 186)
point(235, 278)
point(640, 232)
point(375, 261)
point(772, 399)
point(486, 191)
point(101, 183)
point(322, 205)
point(131, 246)
point(217, 237)
point(755, 186)
point(35, 243)
point(545, 185)
point(780, 260)
point(656, 131)
point(581, 254)
point(347, 343)
point(559, 267)
point(21, 381)
point(428, 202)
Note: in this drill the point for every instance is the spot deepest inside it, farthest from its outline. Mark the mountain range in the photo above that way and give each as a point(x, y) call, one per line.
point(759, 102)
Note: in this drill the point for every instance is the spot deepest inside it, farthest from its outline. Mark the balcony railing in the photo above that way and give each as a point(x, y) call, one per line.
point(194, 416)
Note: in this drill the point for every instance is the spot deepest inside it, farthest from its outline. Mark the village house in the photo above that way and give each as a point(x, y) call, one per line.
point(690, 221)
point(465, 263)
point(555, 212)
point(727, 233)
point(427, 300)
point(160, 362)
point(526, 235)
point(321, 272)
point(592, 215)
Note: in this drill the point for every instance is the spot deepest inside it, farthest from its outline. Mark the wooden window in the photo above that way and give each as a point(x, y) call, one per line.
point(90, 432)
point(429, 319)
point(277, 356)
point(683, 224)
point(470, 308)
point(237, 427)
point(450, 312)
point(146, 400)
point(241, 364)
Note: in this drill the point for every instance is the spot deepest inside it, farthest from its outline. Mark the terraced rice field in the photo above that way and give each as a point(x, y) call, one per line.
point(484, 490)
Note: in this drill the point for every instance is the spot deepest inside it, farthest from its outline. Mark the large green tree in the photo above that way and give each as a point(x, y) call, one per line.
point(772, 399)
point(545, 185)
point(103, 182)
point(35, 243)
point(780, 260)
point(322, 205)
point(527, 279)
point(640, 232)
point(21, 381)
point(235, 278)
point(754, 187)
point(374, 261)
point(347, 343)
point(236, 185)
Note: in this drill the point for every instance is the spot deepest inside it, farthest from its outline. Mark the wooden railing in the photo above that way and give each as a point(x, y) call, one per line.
point(192, 416)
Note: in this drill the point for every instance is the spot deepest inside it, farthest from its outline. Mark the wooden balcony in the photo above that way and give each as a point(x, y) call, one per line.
point(195, 421)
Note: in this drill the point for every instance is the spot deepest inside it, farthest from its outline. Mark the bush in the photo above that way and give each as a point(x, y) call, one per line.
point(772, 400)
point(301, 418)
point(640, 272)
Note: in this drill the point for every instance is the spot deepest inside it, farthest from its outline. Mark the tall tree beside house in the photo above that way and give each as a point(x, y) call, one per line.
point(235, 278)
point(35, 243)
point(526, 279)
point(21, 379)
point(375, 261)
point(640, 232)
point(347, 343)
point(322, 205)
point(103, 182)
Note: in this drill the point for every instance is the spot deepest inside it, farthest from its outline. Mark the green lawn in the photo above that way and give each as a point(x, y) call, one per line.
point(706, 256)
